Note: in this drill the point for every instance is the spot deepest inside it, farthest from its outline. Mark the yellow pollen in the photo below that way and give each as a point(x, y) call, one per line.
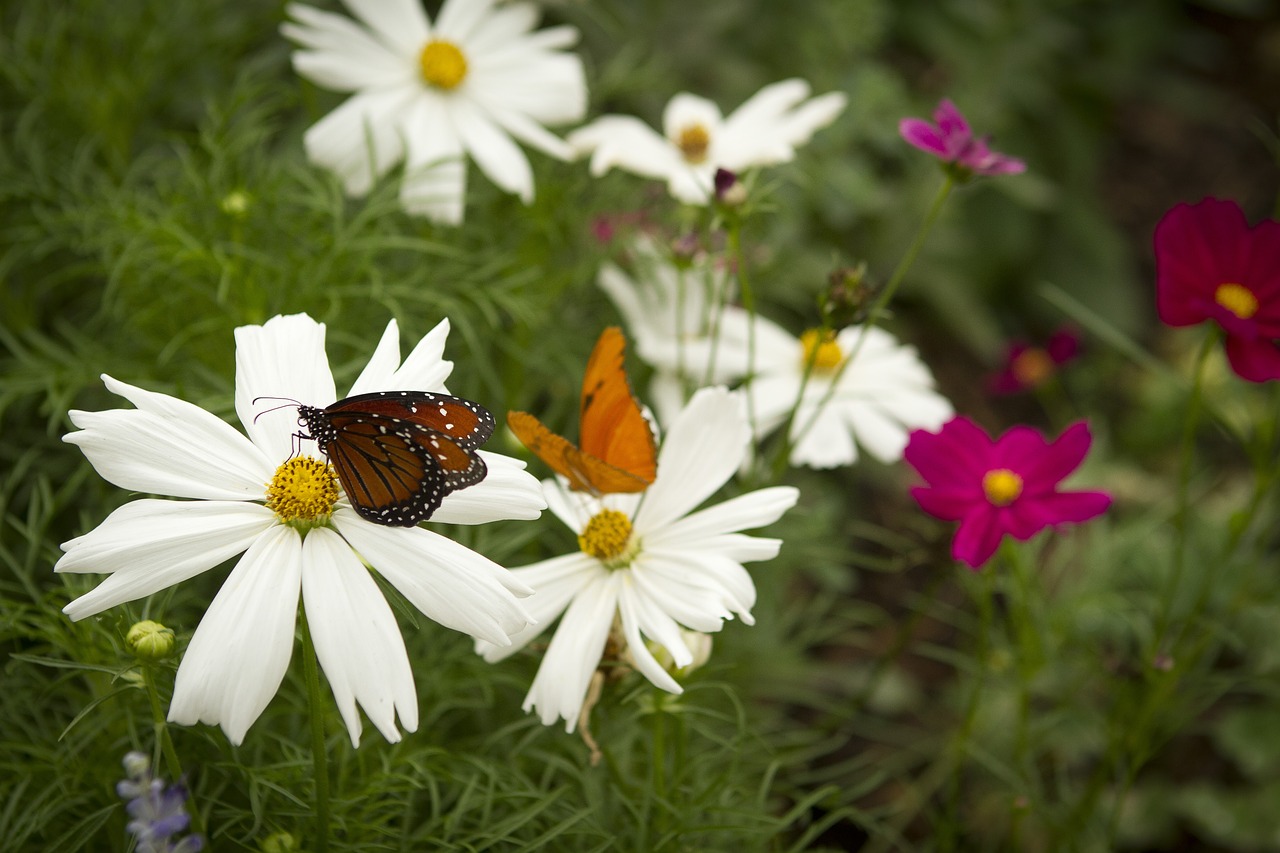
point(1002, 486)
point(304, 489)
point(443, 64)
point(1032, 366)
point(1237, 299)
point(607, 537)
point(821, 348)
point(693, 142)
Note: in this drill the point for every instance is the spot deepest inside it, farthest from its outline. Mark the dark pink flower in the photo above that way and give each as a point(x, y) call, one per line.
point(1006, 486)
point(951, 140)
point(1027, 366)
point(1210, 265)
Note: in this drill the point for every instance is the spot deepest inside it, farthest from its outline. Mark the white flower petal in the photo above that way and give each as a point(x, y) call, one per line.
point(654, 621)
point(826, 443)
point(171, 447)
point(400, 24)
point(361, 139)
point(687, 568)
point(357, 641)
point(685, 111)
point(701, 451)
point(448, 582)
point(745, 512)
point(560, 687)
point(631, 610)
point(557, 581)
point(502, 26)
point(150, 545)
point(508, 491)
point(283, 359)
point(628, 143)
point(435, 181)
point(692, 600)
point(240, 651)
point(494, 152)
point(458, 19)
point(340, 55)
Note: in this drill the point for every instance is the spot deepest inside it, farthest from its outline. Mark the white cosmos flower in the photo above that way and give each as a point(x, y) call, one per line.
point(240, 651)
point(879, 397)
point(428, 93)
point(649, 560)
point(696, 140)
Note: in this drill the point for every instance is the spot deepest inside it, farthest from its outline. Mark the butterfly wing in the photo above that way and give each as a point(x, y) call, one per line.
point(396, 471)
point(468, 424)
point(613, 428)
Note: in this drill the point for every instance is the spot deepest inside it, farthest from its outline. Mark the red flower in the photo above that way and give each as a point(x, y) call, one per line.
point(1210, 265)
point(1027, 366)
point(1005, 486)
point(951, 140)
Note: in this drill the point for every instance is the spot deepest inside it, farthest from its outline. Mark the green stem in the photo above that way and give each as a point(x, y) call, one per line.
point(947, 840)
point(319, 754)
point(749, 303)
point(166, 742)
point(1181, 518)
point(873, 317)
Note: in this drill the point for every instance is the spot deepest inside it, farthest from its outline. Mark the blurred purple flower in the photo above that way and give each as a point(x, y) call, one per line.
point(952, 141)
point(158, 811)
point(1004, 486)
point(1027, 366)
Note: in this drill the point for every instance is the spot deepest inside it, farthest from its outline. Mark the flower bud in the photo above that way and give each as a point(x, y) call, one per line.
point(847, 297)
point(280, 842)
point(150, 641)
point(236, 204)
point(730, 191)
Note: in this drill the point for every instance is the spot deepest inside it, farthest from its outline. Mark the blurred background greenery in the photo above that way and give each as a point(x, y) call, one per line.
point(154, 195)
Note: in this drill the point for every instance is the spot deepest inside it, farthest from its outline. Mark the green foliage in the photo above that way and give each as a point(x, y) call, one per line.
point(154, 196)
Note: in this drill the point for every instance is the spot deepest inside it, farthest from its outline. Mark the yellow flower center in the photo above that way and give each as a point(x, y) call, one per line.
point(607, 537)
point(443, 64)
point(303, 491)
point(1002, 486)
point(1032, 366)
point(1237, 299)
point(820, 348)
point(693, 142)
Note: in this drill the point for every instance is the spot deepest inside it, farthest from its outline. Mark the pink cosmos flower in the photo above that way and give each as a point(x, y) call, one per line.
point(1005, 486)
point(1027, 366)
point(1210, 265)
point(953, 142)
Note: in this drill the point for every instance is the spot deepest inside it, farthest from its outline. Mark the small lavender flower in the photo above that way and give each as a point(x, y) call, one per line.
point(157, 810)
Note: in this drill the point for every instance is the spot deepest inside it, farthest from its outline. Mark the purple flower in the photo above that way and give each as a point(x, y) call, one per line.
point(1005, 486)
point(158, 811)
point(1027, 366)
point(952, 141)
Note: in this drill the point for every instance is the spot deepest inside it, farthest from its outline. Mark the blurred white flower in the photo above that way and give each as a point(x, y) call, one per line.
point(428, 93)
point(649, 561)
point(878, 398)
point(308, 542)
point(696, 140)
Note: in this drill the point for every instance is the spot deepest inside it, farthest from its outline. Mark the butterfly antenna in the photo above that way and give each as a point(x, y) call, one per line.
point(292, 402)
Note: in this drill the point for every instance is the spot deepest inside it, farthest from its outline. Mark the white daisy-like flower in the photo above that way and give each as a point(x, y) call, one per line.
point(428, 93)
point(649, 561)
point(281, 509)
point(879, 397)
point(696, 140)
point(671, 314)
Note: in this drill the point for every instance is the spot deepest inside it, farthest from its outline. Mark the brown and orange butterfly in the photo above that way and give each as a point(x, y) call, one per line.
point(398, 453)
point(616, 450)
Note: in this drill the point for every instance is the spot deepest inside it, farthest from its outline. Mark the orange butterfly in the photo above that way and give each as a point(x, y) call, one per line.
point(618, 453)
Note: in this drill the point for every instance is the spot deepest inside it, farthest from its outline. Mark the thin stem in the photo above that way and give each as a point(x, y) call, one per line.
point(947, 840)
point(170, 752)
point(1181, 518)
point(873, 317)
point(749, 303)
point(319, 754)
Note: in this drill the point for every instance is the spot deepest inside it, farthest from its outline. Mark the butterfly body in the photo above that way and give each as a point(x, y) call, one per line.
point(398, 453)
point(616, 450)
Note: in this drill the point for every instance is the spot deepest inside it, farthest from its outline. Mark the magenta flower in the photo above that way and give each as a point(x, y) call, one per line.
point(1027, 366)
point(953, 142)
point(1005, 486)
point(1210, 265)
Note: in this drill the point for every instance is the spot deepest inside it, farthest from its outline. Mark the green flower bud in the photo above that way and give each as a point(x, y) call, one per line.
point(150, 641)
